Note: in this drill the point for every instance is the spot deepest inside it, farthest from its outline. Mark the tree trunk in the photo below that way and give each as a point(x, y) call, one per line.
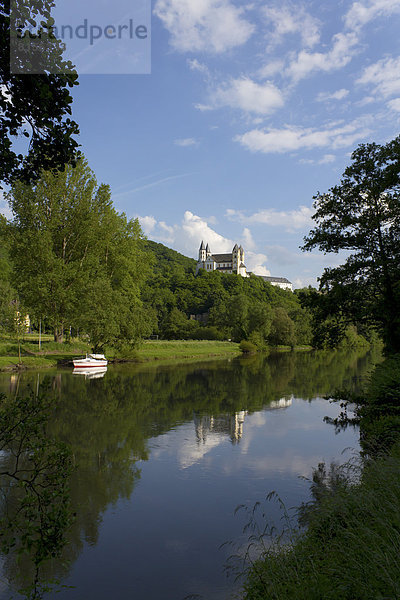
point(59, 334)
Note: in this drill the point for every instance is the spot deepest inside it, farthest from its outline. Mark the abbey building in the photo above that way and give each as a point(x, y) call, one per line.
point(227, 263)
point(233, 263)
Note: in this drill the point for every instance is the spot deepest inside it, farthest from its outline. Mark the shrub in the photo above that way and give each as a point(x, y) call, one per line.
point(247, 347)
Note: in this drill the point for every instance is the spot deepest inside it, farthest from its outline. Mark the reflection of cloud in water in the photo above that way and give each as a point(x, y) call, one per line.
point(212, 431)
point(191, 451)
point(255, 436)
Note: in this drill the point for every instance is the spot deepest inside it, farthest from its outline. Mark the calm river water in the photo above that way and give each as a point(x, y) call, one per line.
point(164, 455)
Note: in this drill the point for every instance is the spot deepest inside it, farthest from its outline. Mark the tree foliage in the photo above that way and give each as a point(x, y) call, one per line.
point(34, 107)
point(76, 261)
point(361, 216)
point(227, 306)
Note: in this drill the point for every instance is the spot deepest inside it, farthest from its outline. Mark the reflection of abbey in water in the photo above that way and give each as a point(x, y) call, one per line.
point(281, 403)
point(231, 425)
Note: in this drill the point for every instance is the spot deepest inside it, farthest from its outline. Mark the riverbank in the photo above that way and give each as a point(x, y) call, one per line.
point(52, 355)
point(351, 543)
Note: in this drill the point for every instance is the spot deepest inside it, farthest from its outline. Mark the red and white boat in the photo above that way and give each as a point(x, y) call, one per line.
point(90, 361)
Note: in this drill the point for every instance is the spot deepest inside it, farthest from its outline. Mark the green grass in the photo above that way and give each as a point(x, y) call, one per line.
point(167, 350)
point(49, 355)
point(52, 353)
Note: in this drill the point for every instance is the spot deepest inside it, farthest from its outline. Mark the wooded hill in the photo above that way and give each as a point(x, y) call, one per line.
point(227, 306)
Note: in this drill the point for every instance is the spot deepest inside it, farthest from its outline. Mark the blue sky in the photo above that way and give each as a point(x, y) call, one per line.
point(249, 110)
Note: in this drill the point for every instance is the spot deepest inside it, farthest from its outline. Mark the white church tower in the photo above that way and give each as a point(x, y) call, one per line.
point(202, 252)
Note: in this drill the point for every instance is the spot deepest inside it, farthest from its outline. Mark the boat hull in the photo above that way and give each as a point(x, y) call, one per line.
point(88, 363)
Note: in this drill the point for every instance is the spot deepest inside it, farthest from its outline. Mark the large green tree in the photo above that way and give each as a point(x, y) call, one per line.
point(76, 261)
point(35, 103)
point(361, 216)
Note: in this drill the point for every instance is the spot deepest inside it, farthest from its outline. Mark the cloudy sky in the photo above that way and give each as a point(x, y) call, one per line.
point(250, 109)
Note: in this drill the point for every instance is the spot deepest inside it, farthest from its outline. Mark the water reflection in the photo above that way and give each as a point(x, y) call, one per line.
point(230, 425)
point(141, 433)
point(93, 373)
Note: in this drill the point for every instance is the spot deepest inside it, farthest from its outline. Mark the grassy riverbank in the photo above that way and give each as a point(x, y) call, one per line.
point(52, 354)
point(350, 547)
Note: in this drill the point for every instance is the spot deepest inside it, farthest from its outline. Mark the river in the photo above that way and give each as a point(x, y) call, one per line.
point(165, 454)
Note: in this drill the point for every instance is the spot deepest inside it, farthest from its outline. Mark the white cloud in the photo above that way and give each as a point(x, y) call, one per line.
point(338, 95)
point(327, 159)
point(195, 65)
point(213, 26)
point(365, 101)
point(345, 44)
point(292, 19)
point(187, 235)
point(394, 104)
point(247, 95)
point(185, 142)
point(292, 138)
point(255, 264)
point(361, 13)
point(271, 68)
point(148, 224)
point(384, 76)
point(248, 241)
point(343, 49)
point(290, 220)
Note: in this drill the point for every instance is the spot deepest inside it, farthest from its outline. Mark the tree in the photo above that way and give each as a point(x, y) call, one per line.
point(362, 216)
point(76, 261)
point(35, 106)
point(282, 329)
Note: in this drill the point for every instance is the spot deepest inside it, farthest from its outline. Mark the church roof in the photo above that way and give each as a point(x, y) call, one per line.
point(202, 246)
point(276, 279)
point(222, 257)
point(208, 248)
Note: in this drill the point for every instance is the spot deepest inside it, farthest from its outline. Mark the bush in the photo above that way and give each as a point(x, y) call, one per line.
point(208, 333)
point(247, 347)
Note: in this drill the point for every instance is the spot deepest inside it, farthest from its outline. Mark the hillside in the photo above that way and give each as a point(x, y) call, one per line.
point(167, 260)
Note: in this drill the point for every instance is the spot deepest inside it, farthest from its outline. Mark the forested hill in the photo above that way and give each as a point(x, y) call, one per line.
point(219, 305)
point(166, 260)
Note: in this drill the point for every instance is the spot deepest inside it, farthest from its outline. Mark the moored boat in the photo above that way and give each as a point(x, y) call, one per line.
point(90, 361)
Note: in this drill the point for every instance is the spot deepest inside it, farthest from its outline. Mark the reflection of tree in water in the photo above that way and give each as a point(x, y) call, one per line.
point(35, 507)
point(107, 423)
